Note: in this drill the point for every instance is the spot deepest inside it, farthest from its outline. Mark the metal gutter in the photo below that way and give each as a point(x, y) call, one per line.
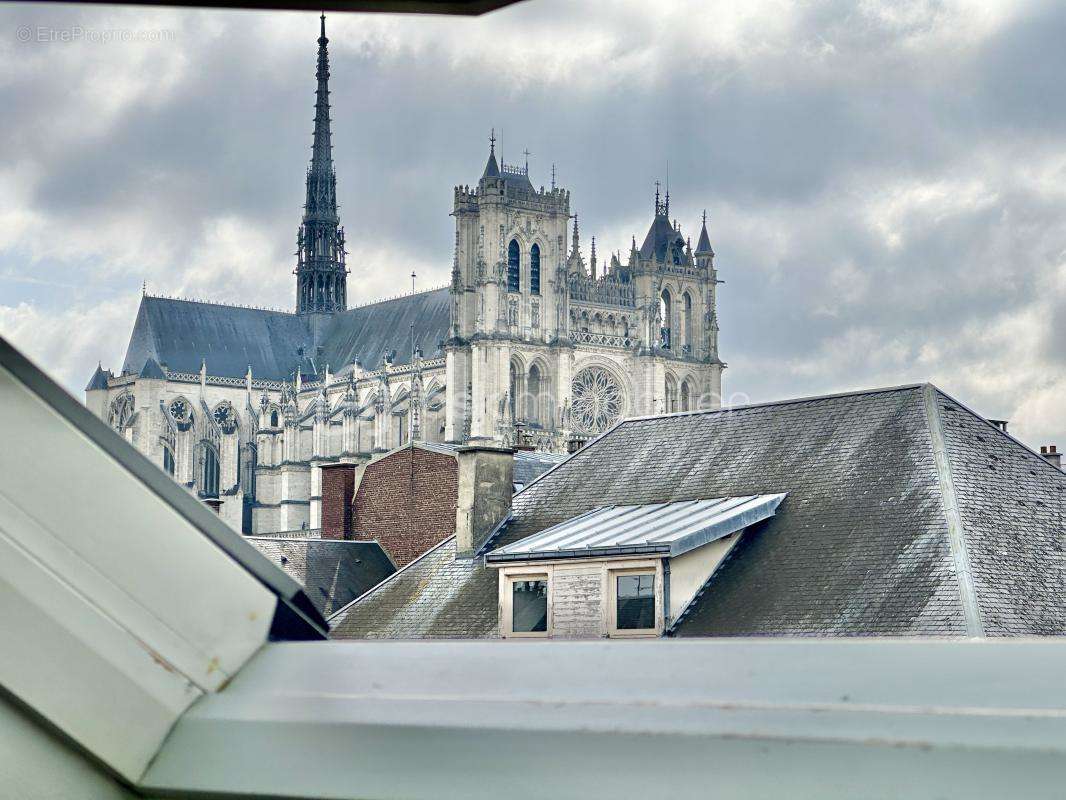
point(591, 552)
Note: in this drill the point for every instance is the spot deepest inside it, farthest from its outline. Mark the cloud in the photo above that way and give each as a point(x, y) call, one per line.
point(884, 181)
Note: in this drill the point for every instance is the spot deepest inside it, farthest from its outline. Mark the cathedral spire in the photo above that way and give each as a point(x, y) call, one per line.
point(592, 259)
point(321, 282)
point(322, 150)
point(703, 246)
point(492, 169)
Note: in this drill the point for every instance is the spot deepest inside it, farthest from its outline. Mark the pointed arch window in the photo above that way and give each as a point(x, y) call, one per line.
point(671, 394)
point(686, 396)
point(534, 269)
point(209, 472)
point(512, 394)
point(274, 419)
point(168, 461)
point(666, 311)
point(686, 323)
point(514, 283)
point(533, 389)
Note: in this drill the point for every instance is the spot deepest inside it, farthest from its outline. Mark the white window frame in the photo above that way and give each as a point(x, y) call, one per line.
point(610, 593)
point(507, 578)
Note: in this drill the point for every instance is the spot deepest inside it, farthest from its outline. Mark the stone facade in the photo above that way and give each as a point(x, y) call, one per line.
point(530, 345)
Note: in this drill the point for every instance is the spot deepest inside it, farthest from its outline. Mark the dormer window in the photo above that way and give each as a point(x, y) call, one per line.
point(633, 603)
point(619, 571)
point(527, 605)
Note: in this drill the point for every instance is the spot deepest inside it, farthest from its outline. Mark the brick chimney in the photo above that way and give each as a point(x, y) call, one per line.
point(1051, 453)
point(338, 489)
point(486, 483)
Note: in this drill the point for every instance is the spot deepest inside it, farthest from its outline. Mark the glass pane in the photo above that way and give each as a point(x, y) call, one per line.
point(636, 601)
point(529, 606)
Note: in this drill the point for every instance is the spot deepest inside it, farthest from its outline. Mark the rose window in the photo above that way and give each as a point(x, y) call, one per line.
point(596, 402)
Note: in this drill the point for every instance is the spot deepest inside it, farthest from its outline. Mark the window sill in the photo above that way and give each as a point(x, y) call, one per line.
point(459, 719)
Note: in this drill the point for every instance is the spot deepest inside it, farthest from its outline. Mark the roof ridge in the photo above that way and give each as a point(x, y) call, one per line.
point(767, 403)
point(394, 298)
point(269, 538)
point(198, 302)
point(389, 579)
point(949, 500)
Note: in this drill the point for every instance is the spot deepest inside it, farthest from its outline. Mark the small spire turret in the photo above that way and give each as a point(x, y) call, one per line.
point(703, 246)
point(492, 169)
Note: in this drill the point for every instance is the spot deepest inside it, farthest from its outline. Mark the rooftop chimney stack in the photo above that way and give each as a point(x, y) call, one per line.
point(486, 483)
point(1052, 455)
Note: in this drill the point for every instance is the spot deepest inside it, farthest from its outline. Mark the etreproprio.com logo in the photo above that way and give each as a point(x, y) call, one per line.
point(80, 33)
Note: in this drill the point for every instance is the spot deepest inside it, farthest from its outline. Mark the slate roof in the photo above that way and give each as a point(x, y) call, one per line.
point(528, 465)
point(704, 244)
point(179, 334)
point(151, 369)
point(660, 235)
point(98, 379)
point(333, 572)
point(867, 542)
point(436, 596)
point(370, 332)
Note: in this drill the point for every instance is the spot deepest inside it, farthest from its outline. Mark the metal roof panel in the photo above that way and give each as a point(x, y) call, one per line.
point(670, 528)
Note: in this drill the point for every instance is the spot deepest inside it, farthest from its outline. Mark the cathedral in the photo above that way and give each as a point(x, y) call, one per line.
point(529, 346)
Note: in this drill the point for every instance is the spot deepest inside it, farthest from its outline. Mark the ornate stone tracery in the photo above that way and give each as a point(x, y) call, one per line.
point(122, 411)
point(597, 400)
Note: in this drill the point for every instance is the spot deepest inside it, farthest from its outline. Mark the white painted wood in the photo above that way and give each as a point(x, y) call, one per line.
point(35, 764)
point(83, 516)
point(116, 612)
point(75, 667)
point(742, 719)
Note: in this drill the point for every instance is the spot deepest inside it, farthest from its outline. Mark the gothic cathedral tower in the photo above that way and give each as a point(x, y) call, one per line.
point(321, 276)
point(508, 293)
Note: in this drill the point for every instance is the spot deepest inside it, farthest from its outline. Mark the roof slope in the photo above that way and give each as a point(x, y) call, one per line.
point(181, 333)
point(1011, 508)
point(333, 572)
point(663, 528)
point(530, 465)
point(862, 544)
point(660, 235)
point(436, 596)
point(370, 332)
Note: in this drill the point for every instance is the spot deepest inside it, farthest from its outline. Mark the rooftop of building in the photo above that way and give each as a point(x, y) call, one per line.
point(906, 514)
point(333, 572)
point(180, 335)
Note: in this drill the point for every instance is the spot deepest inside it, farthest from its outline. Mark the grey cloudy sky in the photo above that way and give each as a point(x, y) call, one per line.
point(885, 183)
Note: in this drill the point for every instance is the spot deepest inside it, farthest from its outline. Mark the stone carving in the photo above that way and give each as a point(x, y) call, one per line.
point(597, 400)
